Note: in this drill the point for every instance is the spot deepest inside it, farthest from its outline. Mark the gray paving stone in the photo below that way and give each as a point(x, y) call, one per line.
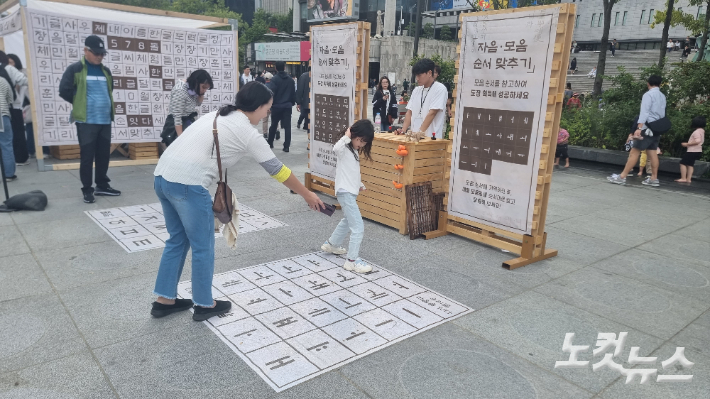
point(647, 308)
point(680, 247)
point(20, 276)
point(56, 234)
point(6, 219)
point(697, 388)
point(35, 330)
point(12, 242)
point(450, 362)
point(118, 310)
point(489, 261)
point(95, 263)
point(533, 327)
point(597, 226)
point(681, 276)
point(73, 377)
point(580, 248)
point(189, 361)
point(696, 335)
point(698, 231)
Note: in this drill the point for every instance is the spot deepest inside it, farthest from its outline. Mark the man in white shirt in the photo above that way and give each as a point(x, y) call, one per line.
point(425, 110)
point(246, 77)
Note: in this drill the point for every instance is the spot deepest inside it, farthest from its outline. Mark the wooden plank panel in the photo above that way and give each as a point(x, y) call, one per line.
point(420, 163)
point(393, 175)
point(428, 170)
point(434, 177)
point(377, 196)
point(377, 180)
point(391, 215)
point(381, 219)
point(388, 190)
point(430, 154)
point(485, 227)
point(387, 209)
point(493, 241)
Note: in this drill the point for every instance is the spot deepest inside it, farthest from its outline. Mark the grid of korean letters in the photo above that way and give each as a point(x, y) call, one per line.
point(331, 117)
point(142, 227)
point(145, 63)
point(299, 317)
point(489, 135)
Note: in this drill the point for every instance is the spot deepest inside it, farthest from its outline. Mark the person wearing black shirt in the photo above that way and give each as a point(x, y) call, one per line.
point(383, 103)
point(284, 90)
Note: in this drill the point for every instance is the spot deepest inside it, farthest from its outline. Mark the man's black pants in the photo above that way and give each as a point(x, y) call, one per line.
point(19, 140)
point(282, 115)
point(305, 116)
point(95, 145)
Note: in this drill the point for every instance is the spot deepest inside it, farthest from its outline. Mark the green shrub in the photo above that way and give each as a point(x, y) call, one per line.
point(607, 124)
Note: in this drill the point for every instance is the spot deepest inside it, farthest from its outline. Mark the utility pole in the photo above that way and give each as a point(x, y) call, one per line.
point(418, 28)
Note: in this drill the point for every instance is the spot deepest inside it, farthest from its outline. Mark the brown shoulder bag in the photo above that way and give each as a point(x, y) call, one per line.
point(222, 206)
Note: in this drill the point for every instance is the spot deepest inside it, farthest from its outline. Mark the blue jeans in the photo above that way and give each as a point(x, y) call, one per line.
point(8, 154)
point(351, 222)
point(190, 223)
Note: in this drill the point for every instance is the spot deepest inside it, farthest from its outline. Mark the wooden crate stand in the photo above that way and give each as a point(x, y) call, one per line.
point(382, 202)
point(530, 247)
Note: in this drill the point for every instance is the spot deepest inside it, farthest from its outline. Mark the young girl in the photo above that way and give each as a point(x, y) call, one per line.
point(695, 149)
point(356, 140)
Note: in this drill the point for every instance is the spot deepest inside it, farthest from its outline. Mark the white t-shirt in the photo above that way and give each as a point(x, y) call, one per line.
point(347, 172)
point(423, 100)
point(191, 159)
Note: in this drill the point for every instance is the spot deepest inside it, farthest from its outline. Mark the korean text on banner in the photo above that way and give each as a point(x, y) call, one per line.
point(501, 103)
point(145, 62)
point(333, 83)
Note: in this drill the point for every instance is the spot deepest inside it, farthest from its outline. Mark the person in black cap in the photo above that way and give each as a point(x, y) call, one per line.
point(88, 86)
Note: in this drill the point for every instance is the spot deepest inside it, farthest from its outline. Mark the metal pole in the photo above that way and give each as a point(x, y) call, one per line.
point(4, 181)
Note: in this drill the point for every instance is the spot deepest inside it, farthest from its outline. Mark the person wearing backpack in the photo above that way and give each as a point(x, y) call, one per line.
point(652, 122)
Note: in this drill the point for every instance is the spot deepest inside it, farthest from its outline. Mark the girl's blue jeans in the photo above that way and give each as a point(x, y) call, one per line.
point(352, 222)
point(190, 222)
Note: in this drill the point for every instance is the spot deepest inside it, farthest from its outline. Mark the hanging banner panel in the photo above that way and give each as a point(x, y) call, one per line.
point(10, 23)
point(502, 94)
point(145, 62)
point(333, 85)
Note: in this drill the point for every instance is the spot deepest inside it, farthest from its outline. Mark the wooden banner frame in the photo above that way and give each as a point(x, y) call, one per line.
point(362, 75)
point(530, 247)
point(217, 22)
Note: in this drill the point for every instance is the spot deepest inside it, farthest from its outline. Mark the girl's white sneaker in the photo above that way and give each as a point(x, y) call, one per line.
point(332, 249)
point(358, 266)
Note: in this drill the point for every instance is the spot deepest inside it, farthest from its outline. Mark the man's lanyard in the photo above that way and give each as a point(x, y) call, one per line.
point(421, 105)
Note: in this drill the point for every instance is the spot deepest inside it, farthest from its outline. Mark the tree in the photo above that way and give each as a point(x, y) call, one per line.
point(445, 33)
point(689, 21)
point(664, 35)
point(601, 64)
point(428, 31)
point(411, 28)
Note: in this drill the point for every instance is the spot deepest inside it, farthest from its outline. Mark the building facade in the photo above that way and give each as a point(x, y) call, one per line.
point(630, 24)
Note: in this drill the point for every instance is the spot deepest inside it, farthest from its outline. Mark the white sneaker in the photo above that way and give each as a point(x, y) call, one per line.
point(332, 249)
point(358, 266)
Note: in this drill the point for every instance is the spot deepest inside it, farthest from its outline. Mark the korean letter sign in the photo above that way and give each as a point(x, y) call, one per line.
point(501, 104)
point(333, 82)
point(145, 62)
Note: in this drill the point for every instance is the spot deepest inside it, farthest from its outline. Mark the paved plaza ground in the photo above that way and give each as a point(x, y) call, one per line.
point(75, 322)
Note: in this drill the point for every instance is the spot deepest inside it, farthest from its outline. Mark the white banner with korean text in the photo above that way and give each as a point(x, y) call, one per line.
point(145, 62)
point(333, 84)
point(501, 103)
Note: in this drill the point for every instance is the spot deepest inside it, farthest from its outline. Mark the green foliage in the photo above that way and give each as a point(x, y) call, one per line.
point(687, 92)
point(680, 18)
point(411, 28)
point(448, 68)
point(428, 31)
point(445, 33)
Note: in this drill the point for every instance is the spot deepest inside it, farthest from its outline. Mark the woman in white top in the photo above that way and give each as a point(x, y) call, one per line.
point(185, 172)
point(19, 85)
